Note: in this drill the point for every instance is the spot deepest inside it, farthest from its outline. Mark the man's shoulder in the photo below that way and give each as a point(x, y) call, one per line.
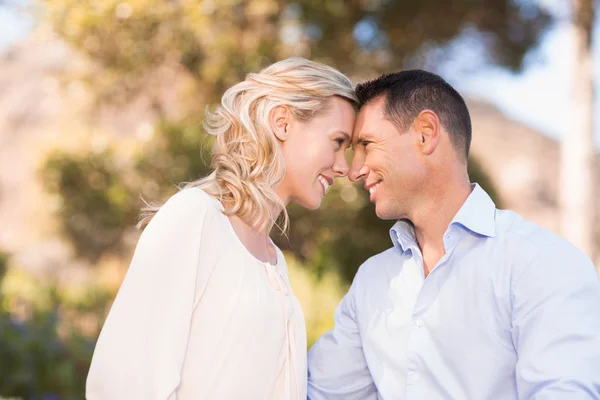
point(383, 256)
point(512, 226)
point(527, 240)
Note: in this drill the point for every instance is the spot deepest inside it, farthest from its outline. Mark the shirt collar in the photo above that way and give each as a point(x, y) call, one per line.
point(477, 214)
point(403, 235)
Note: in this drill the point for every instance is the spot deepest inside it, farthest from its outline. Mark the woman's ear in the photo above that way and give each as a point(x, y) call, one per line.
point(279, 119)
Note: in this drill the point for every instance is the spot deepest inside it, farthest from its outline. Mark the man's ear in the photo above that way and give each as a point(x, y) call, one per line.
point(427, 126)
point(279, 118)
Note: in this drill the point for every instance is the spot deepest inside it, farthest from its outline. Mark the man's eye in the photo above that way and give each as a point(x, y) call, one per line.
point(340, 142)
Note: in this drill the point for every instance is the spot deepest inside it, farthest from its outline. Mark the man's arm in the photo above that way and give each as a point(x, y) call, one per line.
point(556, 326)
point(337, 368)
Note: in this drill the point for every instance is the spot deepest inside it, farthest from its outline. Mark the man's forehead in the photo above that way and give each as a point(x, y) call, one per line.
point(371, 112)
point(374, 106)
point(368, 118)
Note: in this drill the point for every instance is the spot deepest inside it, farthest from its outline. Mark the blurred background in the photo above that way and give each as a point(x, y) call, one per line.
point(101, 102)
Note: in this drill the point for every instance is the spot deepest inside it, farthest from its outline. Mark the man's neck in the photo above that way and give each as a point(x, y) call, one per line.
point(432, 218)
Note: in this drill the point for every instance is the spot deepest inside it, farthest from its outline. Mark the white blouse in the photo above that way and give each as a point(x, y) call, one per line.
point(199, 317)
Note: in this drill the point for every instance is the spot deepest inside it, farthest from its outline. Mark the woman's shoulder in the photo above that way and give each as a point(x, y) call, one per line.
point(193, 199)
point(188, 206)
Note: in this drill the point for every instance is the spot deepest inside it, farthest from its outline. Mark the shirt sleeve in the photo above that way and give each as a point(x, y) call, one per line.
point(141, 348)
point(556, 326)
point(337, 368)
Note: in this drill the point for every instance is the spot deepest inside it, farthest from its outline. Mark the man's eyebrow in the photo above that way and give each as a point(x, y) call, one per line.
point(362, 138)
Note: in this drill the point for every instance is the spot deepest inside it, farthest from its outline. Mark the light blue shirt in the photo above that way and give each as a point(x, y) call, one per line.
point(512, 311)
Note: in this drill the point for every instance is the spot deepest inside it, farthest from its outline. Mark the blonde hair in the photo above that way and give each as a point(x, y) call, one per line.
point(247, 161)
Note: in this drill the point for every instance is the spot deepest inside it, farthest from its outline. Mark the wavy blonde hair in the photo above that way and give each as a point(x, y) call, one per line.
point(247, 160)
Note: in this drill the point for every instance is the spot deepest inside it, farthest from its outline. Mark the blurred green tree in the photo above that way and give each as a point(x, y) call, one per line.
point(3, 268)
point(218, 42)
point(43, 351)
point(36, 361)
point(214, 44)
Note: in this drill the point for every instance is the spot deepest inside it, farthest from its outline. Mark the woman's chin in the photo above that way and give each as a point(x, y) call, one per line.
point(311, 203)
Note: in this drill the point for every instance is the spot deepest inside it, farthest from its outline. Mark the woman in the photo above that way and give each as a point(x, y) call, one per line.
point(206, 310)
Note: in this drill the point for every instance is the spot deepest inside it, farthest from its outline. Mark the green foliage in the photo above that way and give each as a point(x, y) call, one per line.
point(218, 42)
point(44, 354)
point(179, 152)
point(34, 361)
point(319, 296)
point(214, 42)
point(101, 192)
point(95, 199)
point(378, 35)
point(3, 266)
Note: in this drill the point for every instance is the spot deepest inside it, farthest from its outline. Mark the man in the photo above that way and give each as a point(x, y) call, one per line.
point(471, 302)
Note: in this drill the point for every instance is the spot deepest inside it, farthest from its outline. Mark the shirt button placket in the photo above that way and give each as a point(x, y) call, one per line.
point(413, 378)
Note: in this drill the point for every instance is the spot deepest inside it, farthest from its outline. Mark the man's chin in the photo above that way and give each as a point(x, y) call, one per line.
point(383, 212)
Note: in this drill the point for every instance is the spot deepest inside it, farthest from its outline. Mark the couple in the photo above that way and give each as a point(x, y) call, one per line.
point(470, 302)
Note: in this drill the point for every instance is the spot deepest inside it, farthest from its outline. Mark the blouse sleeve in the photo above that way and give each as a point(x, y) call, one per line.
point(142, 345)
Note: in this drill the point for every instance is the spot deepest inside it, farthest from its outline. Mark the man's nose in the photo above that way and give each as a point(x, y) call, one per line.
point(357, 169)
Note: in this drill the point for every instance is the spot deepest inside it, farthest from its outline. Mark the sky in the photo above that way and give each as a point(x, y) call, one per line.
point(14, 25)
point(538, 96)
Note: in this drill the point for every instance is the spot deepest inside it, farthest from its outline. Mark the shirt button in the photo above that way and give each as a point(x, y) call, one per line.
point(415, 378)
point(419, 323)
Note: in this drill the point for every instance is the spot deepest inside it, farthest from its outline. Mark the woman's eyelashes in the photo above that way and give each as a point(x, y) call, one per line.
point(341, 141)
